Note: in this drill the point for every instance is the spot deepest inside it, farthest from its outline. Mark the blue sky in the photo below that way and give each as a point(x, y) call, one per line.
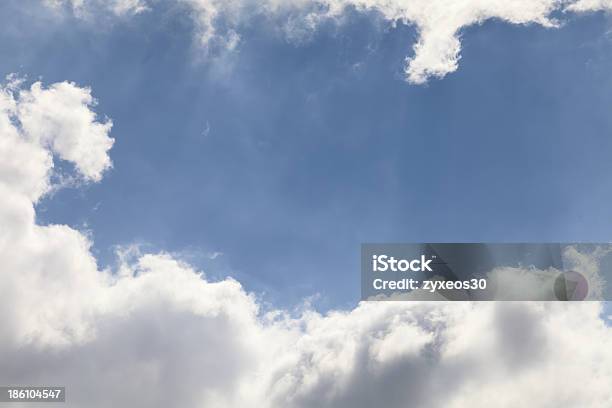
point(308, 128)
point(286, 157)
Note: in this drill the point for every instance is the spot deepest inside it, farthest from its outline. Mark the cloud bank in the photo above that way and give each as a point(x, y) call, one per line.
point(156, 333)
point(439, 23)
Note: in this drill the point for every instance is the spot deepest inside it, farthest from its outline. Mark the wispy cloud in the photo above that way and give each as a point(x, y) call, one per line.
point(437, 50)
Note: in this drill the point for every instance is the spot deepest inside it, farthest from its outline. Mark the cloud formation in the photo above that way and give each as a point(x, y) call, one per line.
point(439, 22)
point(156, 333)
point(117, 7)
point(589, 5)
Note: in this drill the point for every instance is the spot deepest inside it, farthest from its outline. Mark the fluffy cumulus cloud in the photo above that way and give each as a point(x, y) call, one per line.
point(39, 122)
point(436, 53)
point(156, 333)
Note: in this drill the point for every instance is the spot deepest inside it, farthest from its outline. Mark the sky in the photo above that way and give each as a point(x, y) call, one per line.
point(286, 155)
point(261, 145)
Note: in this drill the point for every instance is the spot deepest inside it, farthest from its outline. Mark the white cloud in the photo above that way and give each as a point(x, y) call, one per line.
point(590, 5)
point(60, 117)
point(39, 122)
point(118, 7)
point(158, 334)
point(439, 22)
point(35, 124)
point(513, 283)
